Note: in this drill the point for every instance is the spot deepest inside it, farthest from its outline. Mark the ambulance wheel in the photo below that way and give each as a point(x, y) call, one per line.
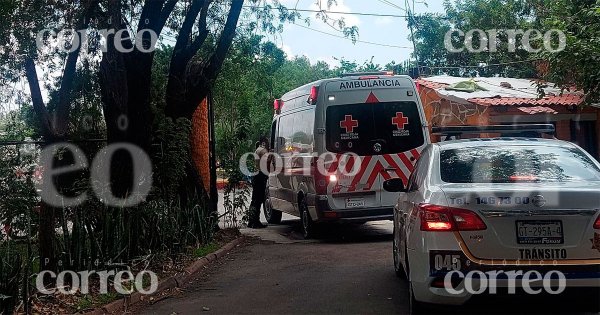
point(308, 226)
point(273, 216)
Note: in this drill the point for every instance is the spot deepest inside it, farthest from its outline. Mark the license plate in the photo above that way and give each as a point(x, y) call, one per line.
point(539, 232)
point(355, 202)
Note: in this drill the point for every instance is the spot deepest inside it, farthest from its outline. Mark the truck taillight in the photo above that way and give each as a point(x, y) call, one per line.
point(597, 223)
point(441, 218)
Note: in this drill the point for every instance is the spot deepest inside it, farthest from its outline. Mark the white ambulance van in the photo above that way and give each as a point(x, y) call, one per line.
point(336, 141)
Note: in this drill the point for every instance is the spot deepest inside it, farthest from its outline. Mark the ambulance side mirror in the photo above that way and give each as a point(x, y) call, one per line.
point(394, 185)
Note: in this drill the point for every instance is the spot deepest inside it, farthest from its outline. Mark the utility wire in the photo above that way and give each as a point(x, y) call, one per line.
point(391, 4)
point(358, 41)
point(338, 12)
point(484, 66)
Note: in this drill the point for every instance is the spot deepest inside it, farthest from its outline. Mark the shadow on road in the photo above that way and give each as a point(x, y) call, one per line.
point(337, 233)
point(571, 301)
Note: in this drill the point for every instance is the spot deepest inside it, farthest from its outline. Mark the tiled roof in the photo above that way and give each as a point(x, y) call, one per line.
point(505, 99)
point(431, 84)
point(565, 100)
point(537, 110)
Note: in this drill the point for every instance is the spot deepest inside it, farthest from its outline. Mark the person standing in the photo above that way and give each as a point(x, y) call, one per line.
point(259, 185)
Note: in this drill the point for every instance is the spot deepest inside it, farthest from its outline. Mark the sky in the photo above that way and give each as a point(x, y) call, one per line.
point(297, 41)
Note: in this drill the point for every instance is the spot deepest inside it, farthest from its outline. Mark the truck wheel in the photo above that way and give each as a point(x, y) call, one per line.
point(273, 216)
point(308, 226)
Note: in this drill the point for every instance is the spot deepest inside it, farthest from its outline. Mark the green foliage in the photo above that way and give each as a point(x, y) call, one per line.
point(579, 63)
point(18, 197)
point(107, 298)
point(85, 302)
point(297, 72)
point(10, 272)
point(171, 226)
point(160, 74)
point(171, 155)
point(86, 106)
point(205, 250)
point(466, 15)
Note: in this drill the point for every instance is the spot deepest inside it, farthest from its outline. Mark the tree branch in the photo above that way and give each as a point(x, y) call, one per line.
point(199, 40)
point(216, 60)
point(58, 129)
point(203, 14)
point(64, 94)
point(36, 98)
point(201, 79)
point(188, 23)
point(150, 11)
point(164, 15)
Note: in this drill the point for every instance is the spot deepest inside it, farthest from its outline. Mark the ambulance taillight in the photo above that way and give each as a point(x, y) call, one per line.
point(277, 105)
point(322, 181)
point(314, 95)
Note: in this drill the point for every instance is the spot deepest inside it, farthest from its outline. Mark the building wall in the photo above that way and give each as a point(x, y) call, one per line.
point(563, 129)
point(442, 112)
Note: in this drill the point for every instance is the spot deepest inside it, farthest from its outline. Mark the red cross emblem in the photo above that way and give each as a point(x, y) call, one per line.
point(348, 123)
point(400, 121)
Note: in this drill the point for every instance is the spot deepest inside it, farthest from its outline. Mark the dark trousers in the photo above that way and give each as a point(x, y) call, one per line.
point(259, 185)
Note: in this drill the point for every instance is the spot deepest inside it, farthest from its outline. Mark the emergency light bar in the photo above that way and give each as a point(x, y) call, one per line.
point(358, 74)
point(525, 130)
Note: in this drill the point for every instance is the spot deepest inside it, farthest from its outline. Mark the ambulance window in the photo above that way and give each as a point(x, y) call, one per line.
point(286, 130)
point(373, 129)
point(304, 124)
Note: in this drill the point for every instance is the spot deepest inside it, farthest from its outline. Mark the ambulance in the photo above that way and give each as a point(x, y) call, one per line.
point(336, 141)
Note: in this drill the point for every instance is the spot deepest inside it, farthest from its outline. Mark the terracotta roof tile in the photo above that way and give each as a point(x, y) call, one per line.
point(431, 84)
point(565, 100)
point(537, 110)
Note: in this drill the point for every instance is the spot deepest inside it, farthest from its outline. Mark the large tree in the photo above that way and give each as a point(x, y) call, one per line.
point(200, 31)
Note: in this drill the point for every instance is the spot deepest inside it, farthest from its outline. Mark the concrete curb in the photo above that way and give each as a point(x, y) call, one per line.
point(177, 281)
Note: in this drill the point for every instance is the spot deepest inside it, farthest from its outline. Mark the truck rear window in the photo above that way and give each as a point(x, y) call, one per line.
point(395, 126)
point(516, 164)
